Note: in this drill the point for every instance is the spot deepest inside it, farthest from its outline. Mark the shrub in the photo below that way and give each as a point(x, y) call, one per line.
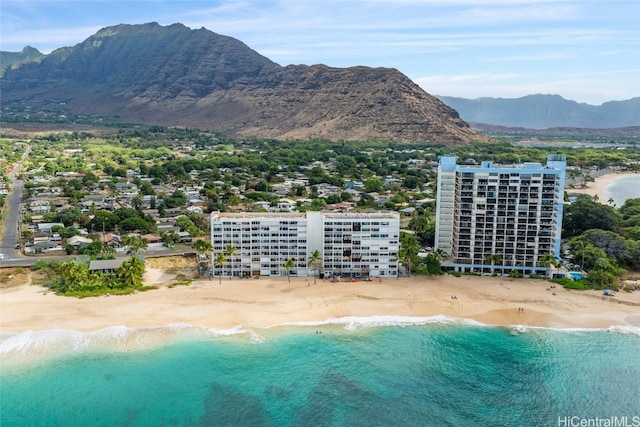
point(570, 284)
point(40, 265)
point(515, 274)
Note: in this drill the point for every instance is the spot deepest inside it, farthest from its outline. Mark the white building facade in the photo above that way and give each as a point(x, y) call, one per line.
point(351, 244)
point(514, 212)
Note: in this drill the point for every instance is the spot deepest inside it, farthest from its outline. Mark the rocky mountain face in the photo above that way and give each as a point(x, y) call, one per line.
point(7, 59)
point(174, 76)
point(546, 111)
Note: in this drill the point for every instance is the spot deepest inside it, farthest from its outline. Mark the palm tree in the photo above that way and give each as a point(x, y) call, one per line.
point(440, 255)
point(109, 280)
point(131, 271)
point(288, 266)
point(202, 247)
point(220, 260)
point(73, 275)
point(581, 246)
point(493, 259)
point(314, 260)
point(408, 253)
point(108, 251)
point(134, 244)
point(230, 252)
point(547, 260)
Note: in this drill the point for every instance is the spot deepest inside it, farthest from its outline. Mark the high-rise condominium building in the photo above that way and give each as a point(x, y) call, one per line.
point(350, 244)
point(498, 217)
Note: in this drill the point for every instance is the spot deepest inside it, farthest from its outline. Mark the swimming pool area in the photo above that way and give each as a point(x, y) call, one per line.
point(575, 276)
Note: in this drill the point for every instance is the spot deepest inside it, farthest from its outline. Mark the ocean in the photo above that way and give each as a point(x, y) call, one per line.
point(353, 372)
point(622, 189)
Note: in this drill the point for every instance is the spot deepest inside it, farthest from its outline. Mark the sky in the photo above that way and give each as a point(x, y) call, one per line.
point(587, 51)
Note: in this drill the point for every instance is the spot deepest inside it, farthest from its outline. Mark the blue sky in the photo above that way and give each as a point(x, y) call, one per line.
point(588, 51)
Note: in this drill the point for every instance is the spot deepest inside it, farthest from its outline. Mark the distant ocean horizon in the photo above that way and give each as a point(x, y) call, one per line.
point(622, 189)
point(386, 371)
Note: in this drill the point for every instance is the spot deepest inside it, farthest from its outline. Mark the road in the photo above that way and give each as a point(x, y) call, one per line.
point(31, 260)
point(11, 224)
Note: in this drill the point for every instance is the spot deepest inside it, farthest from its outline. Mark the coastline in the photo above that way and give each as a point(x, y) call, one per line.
point(600, 185)
point(271, 302)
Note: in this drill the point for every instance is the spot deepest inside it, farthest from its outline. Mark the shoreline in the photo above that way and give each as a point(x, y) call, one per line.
point(600, 185)
point(274, 302)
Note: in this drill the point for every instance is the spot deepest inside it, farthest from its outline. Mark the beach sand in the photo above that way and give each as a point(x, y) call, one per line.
point(274, 301)
point(599, 186)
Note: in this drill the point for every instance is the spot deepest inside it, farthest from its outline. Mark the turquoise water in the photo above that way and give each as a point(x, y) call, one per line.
point(410, 375)
point(623, 188)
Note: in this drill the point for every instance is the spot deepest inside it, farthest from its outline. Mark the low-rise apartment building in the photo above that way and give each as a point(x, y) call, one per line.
point(350, 244)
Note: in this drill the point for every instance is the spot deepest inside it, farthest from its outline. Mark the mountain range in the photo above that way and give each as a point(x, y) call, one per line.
point(175, 76)
point(546, 111)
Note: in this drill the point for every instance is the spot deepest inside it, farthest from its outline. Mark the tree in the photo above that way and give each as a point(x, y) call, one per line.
point(288, 266)
point(108, 251)
point(547, 260)
point(585, 214)
point(70, 215)
point(92, 249)
point(408, 252)
point(131, 271)
point(135, 224)
point(599, 279)
point(109, 280)
point(178, 198)
point(493, 259)
point(314, 260)
point(429, 265)
point(104, 220)
point(220, 260)
point(440, 255)
point(373, 185)
point(202, 247)
point(230, 252)
point(579, 248)
point(134, 244)
point(72, 276)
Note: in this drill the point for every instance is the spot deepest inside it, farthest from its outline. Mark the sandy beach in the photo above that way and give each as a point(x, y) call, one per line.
point(599, 186)
point(274, 301)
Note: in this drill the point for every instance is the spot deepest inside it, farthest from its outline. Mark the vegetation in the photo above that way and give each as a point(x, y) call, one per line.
point(314, 261)
point(74, 279)
point(602, 238)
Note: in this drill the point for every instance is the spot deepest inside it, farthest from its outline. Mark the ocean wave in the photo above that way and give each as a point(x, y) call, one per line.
point(354, 323)
point(57, 342)
point(34, 345)
point(621, 329)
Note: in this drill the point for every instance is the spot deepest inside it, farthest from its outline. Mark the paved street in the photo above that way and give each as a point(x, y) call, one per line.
point(10, 237)
point(28, 261)
point(11, 224)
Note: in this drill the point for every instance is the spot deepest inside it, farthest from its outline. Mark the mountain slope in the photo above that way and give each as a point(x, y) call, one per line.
point(546, 111)
point(7, 59)
point(176, 76)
